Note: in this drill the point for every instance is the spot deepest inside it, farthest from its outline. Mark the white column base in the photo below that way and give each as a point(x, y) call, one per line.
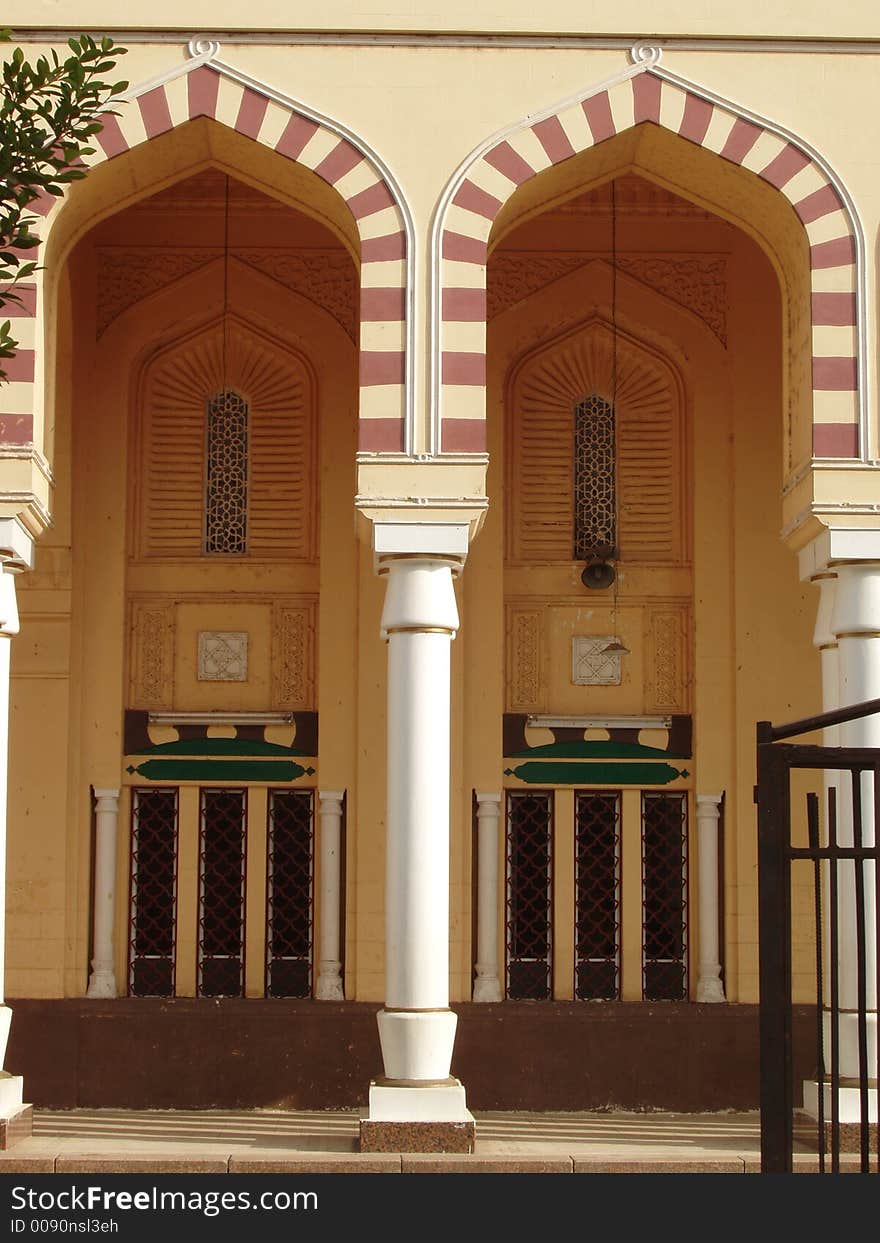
point(102, 984)
point(435, 1103)
point(417, 1044)
point(11, 1094)
point(710, 988)
point(848, 1042)
point(848, 1102)
point(487, 986)
point(329, 983)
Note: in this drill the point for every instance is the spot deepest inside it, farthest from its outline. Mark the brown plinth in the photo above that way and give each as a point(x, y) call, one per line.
point(417, 1136)
point(232, 1053)
point(806, 1132)
point(17, 1127)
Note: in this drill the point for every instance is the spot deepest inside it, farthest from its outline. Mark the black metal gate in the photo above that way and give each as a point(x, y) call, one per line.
point(817, 847)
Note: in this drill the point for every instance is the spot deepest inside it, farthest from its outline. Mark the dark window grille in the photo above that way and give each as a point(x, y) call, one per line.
point(597, 896)
point(664, 897)
point(289, 917)
point(153, 909)
point(529, 907)
point(226, 481)
point(595, 505)
point(221, 893)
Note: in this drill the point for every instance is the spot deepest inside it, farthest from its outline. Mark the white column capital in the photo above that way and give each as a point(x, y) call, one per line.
point(486, 800)
point(419, 596)
point(428, 539)
point(9, 623)
point(106, 800)
point(16, 546)
point(837, 546)
point(327, 799)
point(856, 611)
point(709, 804)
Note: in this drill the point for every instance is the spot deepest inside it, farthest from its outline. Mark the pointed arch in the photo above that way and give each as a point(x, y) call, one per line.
point(647, 93)
point(205, 86)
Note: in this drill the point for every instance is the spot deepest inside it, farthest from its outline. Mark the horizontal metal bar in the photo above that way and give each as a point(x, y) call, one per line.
point(834, 852)
point(806, 755)
point(838, 717)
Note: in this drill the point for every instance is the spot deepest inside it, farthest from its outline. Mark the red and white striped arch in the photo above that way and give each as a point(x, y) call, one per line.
point(207, 88)
point(647, 93)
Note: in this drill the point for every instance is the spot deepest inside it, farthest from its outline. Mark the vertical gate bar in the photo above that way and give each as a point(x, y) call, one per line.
point(861, 972)
point(813, 838)
point(774, 955)
point(834, 989)
point(877, 937)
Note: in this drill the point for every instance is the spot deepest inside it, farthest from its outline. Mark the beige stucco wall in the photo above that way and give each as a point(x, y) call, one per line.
point(851, 20)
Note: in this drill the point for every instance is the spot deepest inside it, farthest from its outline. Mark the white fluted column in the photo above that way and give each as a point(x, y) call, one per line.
point(845, 566)
point(855, 623)
point(709, 986)
point(416, 1026)
point(16, 553)
point(487, 985)
point(102, 980)
point(329, 983)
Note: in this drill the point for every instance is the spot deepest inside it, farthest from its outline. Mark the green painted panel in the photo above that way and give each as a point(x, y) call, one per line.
point(596, 750)
point(561, 773)
point(218, 746)
point(220, 770)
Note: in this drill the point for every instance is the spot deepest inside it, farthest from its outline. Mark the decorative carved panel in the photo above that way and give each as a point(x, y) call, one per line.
point(513, 275)
point(699, 285)
point(223, 656)
point(128, 274)
point(649, 448)
point(591, 664)
point(666, 689)
point(325, 277)
point(151, 655)
point(293, 656)
point(172, 444)
point(524, 661)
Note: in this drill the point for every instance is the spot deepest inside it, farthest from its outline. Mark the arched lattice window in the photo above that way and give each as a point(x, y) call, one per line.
point(226, 475)
point(595, 504)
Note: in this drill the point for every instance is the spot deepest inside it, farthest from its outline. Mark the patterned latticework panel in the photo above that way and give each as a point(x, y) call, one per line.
point(597, 896)
point(595, 506)
point(289, 893)
point(180, 388)
point(226, 476)
point(529, 880)
point(664, 897)
point(647, 442)
point(153, 911)
point(221, 893)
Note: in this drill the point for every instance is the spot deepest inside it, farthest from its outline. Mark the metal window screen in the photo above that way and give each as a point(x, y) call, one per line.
point(595, 518)
point(597, 895)
point(529, 908)
point(226, 475)
point(290, 893)
point(153, 908)
point(221, 893)
point(664, 897)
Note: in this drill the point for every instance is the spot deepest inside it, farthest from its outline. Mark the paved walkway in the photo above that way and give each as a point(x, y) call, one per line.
point(263, 1141)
